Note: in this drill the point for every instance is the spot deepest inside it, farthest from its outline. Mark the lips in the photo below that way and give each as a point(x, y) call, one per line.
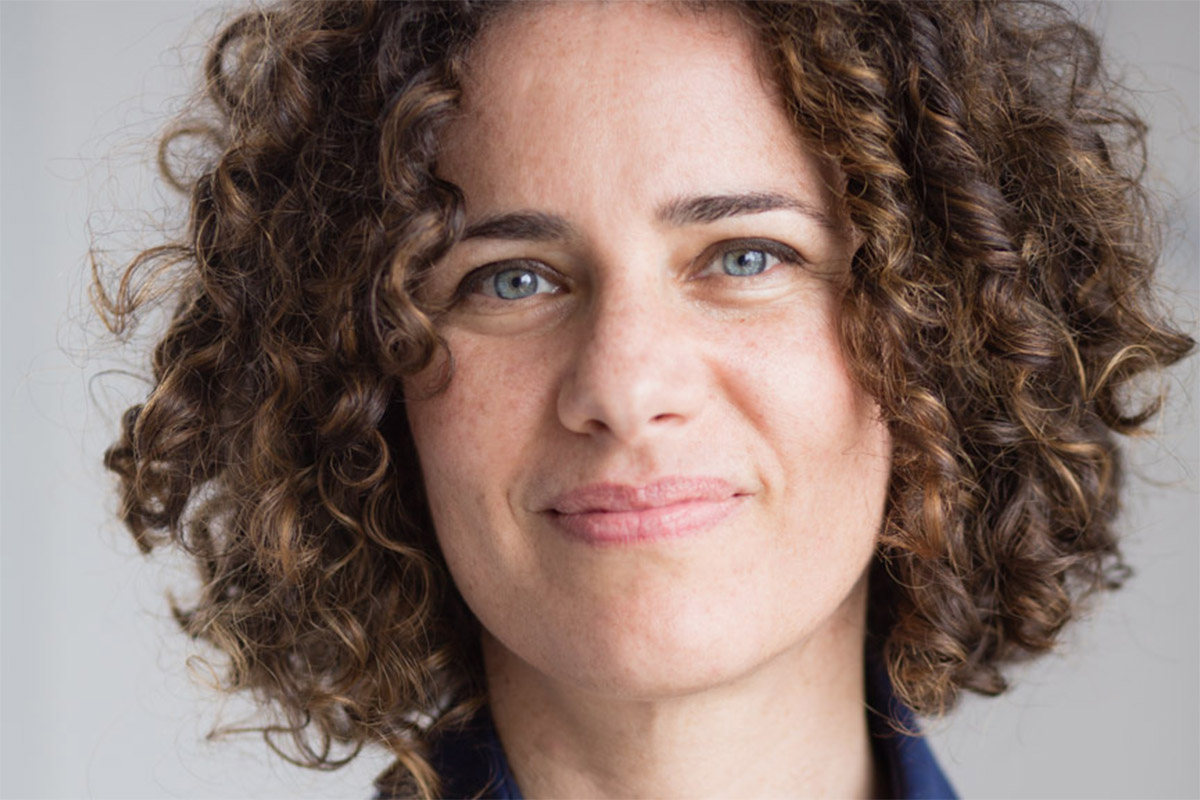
point(612, 513)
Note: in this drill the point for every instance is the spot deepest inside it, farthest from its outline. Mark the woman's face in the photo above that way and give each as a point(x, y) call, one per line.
point(650, 471)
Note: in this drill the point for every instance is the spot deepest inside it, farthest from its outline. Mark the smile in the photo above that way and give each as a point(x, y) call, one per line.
point(612, 514)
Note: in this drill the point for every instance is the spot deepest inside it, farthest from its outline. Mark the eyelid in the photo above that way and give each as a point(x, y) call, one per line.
point(474, 279)
point(779, 250)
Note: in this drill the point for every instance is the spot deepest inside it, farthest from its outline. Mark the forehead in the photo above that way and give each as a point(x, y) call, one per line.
point(649, 97)
point(667, 36)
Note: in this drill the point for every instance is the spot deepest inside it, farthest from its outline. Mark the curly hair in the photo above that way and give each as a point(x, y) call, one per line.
point(999, 311)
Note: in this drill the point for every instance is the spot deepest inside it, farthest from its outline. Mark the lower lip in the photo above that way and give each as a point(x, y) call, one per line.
point(646, 525)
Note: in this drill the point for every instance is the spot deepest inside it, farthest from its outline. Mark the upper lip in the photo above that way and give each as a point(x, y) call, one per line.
point(616, 497)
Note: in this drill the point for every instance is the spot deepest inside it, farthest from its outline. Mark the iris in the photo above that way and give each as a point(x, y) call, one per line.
point(744, 262)
point(513, 284)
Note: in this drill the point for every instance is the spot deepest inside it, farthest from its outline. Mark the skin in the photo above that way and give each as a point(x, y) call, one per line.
point(720, 663)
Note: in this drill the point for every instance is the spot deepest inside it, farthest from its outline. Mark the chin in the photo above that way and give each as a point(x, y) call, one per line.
point(658, 654)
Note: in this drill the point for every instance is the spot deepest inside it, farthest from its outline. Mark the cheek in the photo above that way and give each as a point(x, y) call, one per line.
point(788, 378)
point(473, 439)
point(826, 457)
point(476, 413)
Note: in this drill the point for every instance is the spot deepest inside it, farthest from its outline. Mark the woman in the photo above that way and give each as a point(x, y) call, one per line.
point(645, 400)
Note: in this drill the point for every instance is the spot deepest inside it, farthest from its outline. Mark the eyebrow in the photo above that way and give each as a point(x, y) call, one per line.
point(539, 226)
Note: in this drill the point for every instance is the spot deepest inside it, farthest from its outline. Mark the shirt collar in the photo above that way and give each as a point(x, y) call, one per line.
point(471, 761)
point(901, 752)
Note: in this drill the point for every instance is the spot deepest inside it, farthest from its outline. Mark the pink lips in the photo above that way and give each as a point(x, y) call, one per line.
point(611, 513)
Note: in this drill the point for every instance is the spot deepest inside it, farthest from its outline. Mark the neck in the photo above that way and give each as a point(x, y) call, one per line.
point(793, 727)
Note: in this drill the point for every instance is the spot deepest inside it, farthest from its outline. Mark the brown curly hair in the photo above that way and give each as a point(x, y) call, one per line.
point(998, 311)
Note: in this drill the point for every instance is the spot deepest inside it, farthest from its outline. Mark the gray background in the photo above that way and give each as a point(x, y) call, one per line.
point(96, 698)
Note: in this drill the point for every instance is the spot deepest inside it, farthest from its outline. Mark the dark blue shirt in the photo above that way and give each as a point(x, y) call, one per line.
point(472, 762)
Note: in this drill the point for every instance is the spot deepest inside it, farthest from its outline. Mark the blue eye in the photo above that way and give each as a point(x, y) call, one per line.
point(749, 257)
point(744, 262)
point(509, 282)
point(513, 284)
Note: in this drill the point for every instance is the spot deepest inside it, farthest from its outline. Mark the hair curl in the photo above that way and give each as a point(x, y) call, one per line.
point(999, 309)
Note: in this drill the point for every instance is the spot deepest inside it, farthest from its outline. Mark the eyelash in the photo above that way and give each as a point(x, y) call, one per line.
point(476, 278)
point(782, 252)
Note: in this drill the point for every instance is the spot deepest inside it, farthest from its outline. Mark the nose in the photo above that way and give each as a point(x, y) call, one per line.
point(638, 368)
